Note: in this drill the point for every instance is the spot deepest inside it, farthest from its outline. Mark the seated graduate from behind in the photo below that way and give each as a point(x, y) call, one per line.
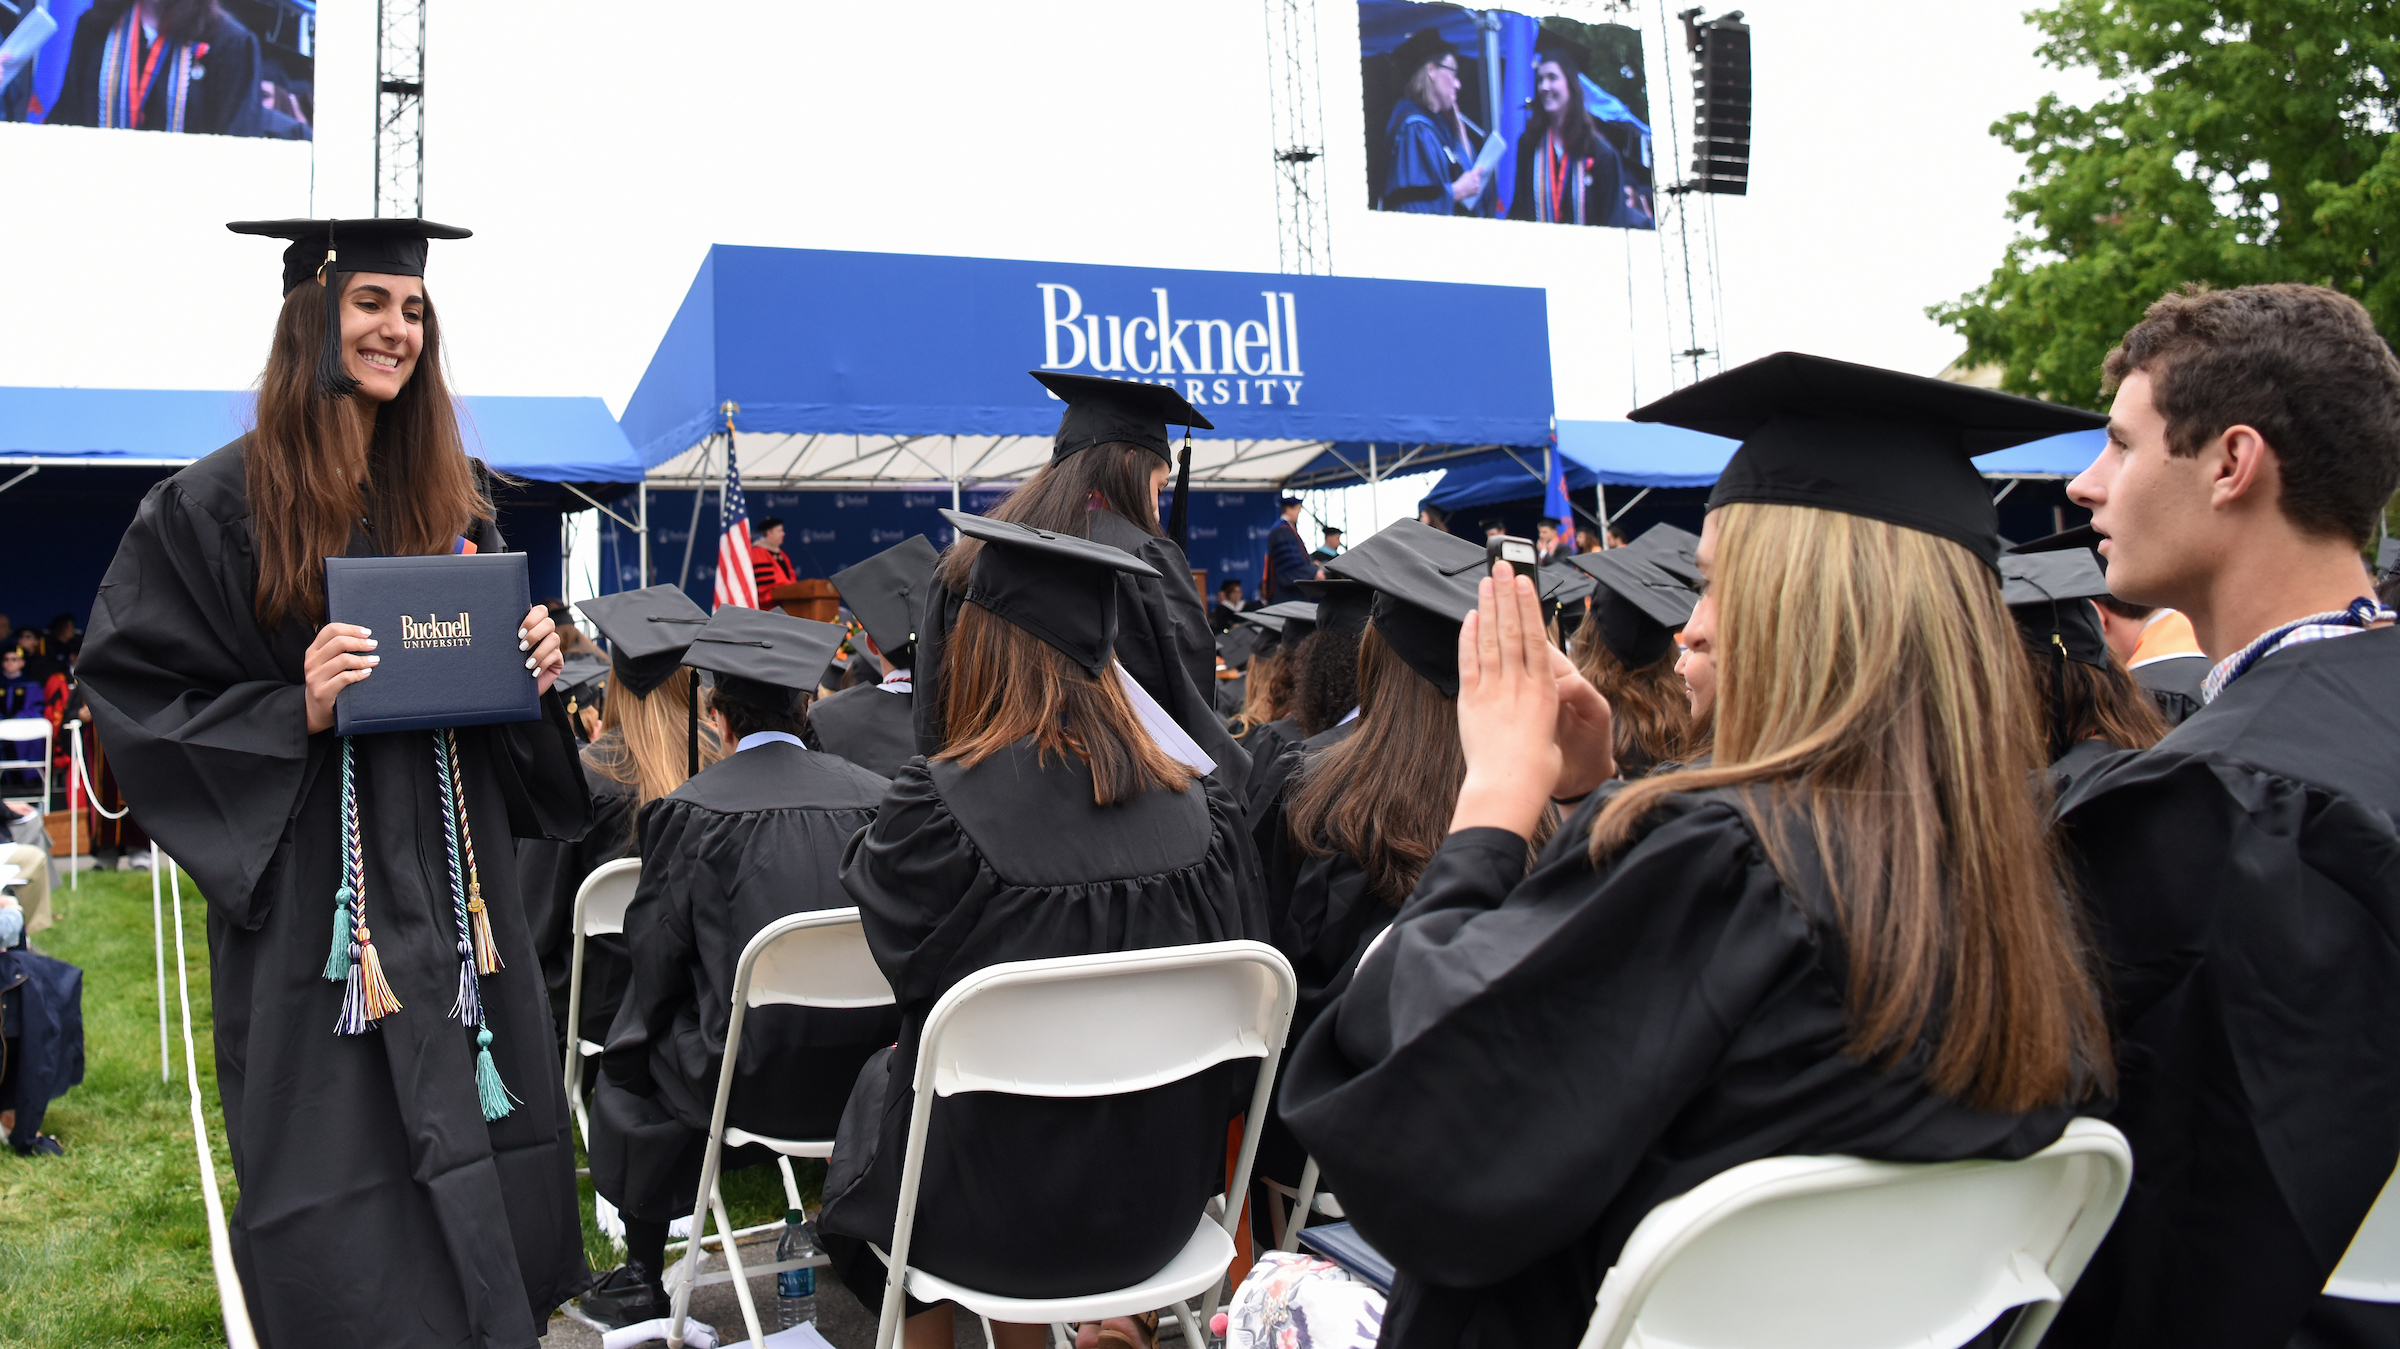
point(1051, 823)
point(640, 754)
point(1107, 466)
point(874, 725)
point(1626, 649)
point(748, 840)
point(1266, 683)
point(1324, 685)
point(2087, 706)
point(1353, 815)
point(1535, 1056)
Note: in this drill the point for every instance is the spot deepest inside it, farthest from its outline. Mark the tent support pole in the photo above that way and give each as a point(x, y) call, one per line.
point(643, 533)
point(4, 486)
point(1602, 501)
point(1610, 521)
point(954, 475)
point(699, 490)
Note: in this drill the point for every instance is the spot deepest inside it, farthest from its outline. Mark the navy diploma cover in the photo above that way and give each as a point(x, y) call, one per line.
point(446, 628)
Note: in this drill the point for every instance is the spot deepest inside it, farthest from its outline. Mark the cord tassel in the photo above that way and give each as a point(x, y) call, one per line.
point(380, 1000)
point(337, 960)
point(468, 1005)
point(487, 951)
point(490, 1091)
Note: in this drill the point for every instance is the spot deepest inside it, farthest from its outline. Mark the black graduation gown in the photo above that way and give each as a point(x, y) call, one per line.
point(2077, 763)
point(870, 725)
point(1531, 1061)
point(1010, 860)
point(549, 873)
point(223, 99)
point(754, 837)
point(1162, 641)
point(1268, 745)
point(1323, 917)
point(2243, 878)
point(377, 1205)
point(2174, 684)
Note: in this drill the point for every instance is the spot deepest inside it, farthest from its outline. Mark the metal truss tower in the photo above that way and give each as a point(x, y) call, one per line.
point(1304, 236)
point(400, 108)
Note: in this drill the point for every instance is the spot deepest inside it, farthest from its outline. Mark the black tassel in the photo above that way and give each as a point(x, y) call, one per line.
point(1179, 515)
point(333, 380)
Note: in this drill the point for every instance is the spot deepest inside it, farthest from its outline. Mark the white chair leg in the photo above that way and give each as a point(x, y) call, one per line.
point(733, 1265)
point(791, 1183)
point(1302, 1207)
point(1193, 1336)
point(1059, 1336)
point(988, 1341)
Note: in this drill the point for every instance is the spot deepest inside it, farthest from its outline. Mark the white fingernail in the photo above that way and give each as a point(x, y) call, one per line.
point(366, 632)
point(374, 660)
point(529, 662)
point(524, 645)
point(520, 634)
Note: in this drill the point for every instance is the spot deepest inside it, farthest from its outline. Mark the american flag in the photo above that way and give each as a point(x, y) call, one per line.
point(735, 584)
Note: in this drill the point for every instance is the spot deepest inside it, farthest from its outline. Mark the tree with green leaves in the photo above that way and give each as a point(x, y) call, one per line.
point(2243, 141)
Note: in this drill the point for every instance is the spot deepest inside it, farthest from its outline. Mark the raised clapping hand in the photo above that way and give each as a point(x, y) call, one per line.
point(344, 653)
point(1531, 727)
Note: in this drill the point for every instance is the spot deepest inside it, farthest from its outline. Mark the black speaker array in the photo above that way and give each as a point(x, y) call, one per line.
point(1720, 104)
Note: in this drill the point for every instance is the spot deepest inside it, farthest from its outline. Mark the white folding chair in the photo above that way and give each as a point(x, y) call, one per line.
point(1306, 1202)
point(600, 904)
point(15, 731)
point(815, 959)
point(1099, 1025)
point(1802, 1252)
point(2370, 1268)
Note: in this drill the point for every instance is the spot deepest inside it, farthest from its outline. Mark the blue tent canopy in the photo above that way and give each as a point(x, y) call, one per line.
point(1503, 479)
point(546, 439)
point(2061, 456)
point(880, 369)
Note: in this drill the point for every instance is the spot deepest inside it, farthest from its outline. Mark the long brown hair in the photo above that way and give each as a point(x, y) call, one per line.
point(1010, 685)
point(1059, 498)
point(1652, 722)
point(2082, 702)
point(1384, 796)
point(1266, 692)
point(1873, 701)
point(643, 741)
point(420, 491)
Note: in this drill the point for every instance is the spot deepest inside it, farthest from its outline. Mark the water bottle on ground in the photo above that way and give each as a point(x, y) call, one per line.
point(795, 1289)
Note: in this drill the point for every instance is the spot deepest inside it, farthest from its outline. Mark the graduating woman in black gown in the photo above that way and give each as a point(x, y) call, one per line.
point(1107, 467)
point(2087, 706)
point(405, 1179)
point(1050, 824)
point(1847, 935)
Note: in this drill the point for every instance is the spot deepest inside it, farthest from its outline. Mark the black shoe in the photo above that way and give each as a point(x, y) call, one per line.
point(43, 1145)
point(625, 1295)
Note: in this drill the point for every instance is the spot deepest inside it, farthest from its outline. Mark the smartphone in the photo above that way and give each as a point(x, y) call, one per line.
point(1517, 553)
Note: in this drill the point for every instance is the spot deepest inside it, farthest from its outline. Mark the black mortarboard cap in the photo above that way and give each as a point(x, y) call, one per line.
point(1549, 45)
point(392, 247)
point(1299, 619)
point(2082, 536)
point(1424, 582)
point(1236, 646)
point(886, 593)
point(1263, 619)
point(2049, 594)
point(1637, 607)
point(1425, 44)
point(1864, 441)
point(1100, 411)
point(647, 631)
point(580, 678)
point(1341, 603)
point(1060, 588)
point(1673, 551)
point(764, 654)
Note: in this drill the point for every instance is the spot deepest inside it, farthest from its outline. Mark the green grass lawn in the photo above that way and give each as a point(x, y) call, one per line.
point(108, 1245)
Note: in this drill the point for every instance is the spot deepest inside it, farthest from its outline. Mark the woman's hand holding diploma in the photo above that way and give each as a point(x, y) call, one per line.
point(344, 653)
point(1531, 727)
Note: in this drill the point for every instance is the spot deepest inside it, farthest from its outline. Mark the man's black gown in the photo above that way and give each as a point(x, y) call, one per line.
point(1532, 1060)
point(1162, 641)
point(1010, 860)
point(756, 836)
point(870, 725)
point(2243, 878)
point(377, 1206)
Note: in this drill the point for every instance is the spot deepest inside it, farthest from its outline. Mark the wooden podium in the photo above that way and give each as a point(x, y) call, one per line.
point(808, 599)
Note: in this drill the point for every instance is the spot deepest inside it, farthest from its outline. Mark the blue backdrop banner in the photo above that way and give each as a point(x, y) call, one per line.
point(808, 341)
point(827, 531)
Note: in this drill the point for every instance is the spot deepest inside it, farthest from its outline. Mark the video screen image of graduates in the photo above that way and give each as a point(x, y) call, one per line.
point(201, 67)
point(1501, 115)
